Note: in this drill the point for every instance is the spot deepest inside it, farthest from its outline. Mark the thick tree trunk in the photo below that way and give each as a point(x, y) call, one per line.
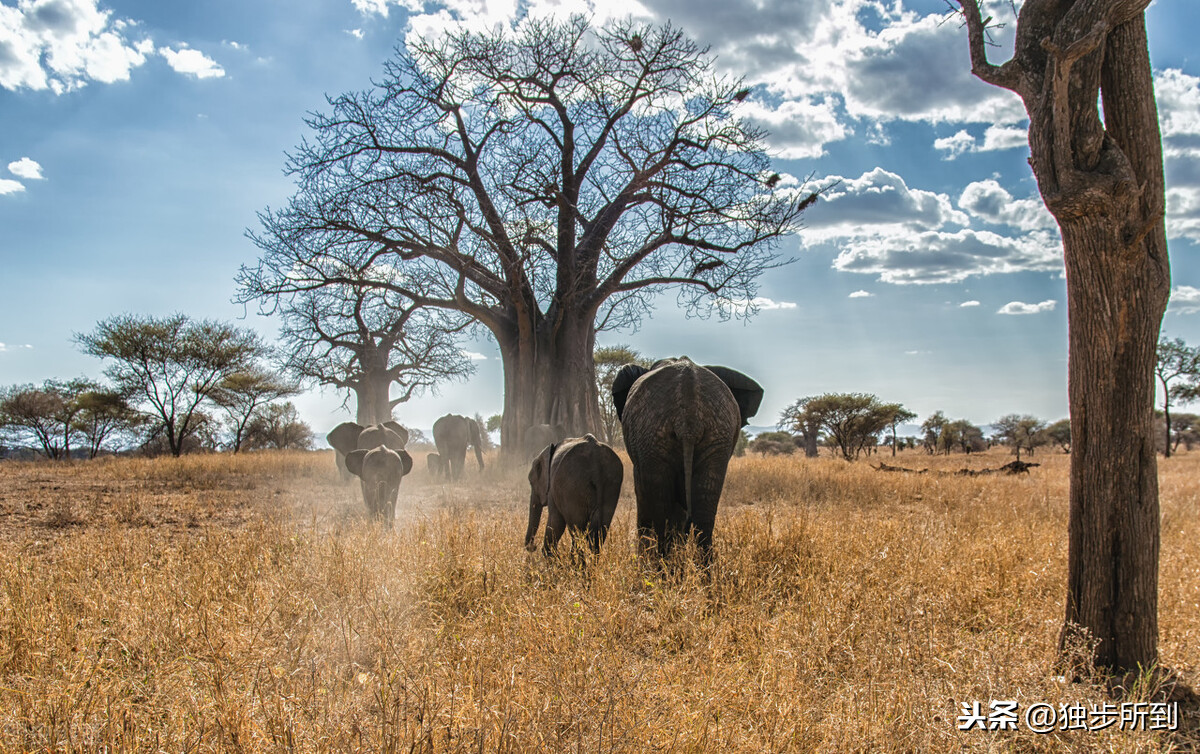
point(1117, 289)
point(1114, 520)
point(549, 378)
point(372, 394)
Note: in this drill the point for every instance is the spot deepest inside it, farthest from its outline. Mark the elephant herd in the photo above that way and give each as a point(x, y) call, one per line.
point(680, 422)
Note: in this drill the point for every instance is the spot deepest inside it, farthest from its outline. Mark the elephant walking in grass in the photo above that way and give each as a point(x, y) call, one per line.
point(436, 467)
point(380, 470)
point(579, 480)
point(681, 423)
point(452, 434)
point(350, 436)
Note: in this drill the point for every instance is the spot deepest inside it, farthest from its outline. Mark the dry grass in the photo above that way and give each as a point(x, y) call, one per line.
point(216, 603)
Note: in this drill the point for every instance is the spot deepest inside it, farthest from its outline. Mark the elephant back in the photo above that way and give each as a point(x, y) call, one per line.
point(678, 397)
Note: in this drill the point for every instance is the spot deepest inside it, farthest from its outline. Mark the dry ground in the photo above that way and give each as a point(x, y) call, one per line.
point(244, 603)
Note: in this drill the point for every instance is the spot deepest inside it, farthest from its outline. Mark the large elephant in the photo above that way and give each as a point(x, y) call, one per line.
point(681, 422)
point(539, 436)
point(381, 470)
point(452, 434)
point(349, 436)
point(580, 481)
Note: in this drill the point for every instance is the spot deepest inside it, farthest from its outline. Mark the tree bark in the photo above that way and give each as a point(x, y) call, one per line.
point(1102, 179)
point(549, 378)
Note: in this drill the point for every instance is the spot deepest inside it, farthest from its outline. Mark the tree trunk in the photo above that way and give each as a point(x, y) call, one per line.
point(1117, 289)
point(372, 394)
point(1167, 419)
point(549, 378)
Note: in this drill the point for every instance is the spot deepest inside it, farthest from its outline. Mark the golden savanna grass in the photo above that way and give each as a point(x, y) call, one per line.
point(245, 603)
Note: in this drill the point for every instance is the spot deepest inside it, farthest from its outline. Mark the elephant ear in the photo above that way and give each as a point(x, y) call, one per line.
point(393, 439)
point(539, 471)
point(399, 430)
point(354, 461)
point(746, 392)
point(624, 380)
point(344, 437)
point(406, 460)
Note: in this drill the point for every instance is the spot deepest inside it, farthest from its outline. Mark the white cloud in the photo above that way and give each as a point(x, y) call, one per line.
point(356, 33)
point(473, 356)
point(921, 257)
point(61, 45)
point(799, 129)
point(192, 62)
point(995, 138)
point(1018, 307)
point(877, 198)
point(861, 294)
point(8, 186)
point(744, 306)
point(1185, 299)
point(968, 303)
point(6, 347)
point(1183, 212)
point(960, 143)
point(991, 202)
point(27, 169)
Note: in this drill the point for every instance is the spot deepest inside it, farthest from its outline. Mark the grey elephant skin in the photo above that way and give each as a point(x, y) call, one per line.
point(681, 422)
point(349, 436)
point(452, 434)
point(579, 481)
point(539, 436)
point(380, 470)
point(434, 463)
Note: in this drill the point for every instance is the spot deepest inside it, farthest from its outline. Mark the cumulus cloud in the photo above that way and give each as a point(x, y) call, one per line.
point(968, 303)
point(27, 169)
point(917, 257)
point(192, 62)
point(356, 33)
point(861, 294)
point(7, 347)
point(62, 45)
point(878, 197)
point(8, 186)
point(1185, 299)
point(1018, 307)
point(991, 202)
point(995, 138)
point(798, 128)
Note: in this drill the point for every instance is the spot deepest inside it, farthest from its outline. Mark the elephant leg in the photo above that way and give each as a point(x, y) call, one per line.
point(655, 492)
point(555, 526)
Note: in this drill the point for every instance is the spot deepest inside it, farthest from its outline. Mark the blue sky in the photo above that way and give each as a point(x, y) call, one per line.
point(139, 139)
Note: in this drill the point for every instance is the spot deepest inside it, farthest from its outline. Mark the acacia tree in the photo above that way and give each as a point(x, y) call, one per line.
point(44, 413)
point(171, 365)
point(244, 394)
point(852, 420)
point(898, 415)
point(543, 182)
point(1102, 180)
point(609, 360)
point(104, 414)
point(1174, 359)
point(1021, 431)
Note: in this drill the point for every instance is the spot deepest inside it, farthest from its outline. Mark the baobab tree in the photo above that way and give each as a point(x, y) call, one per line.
point(544, 183)
point(359, 338)
point(1102, 180)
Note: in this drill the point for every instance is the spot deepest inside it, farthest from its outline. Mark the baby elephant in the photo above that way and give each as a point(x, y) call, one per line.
point(434, 463)
point(580, 480)
point(380, 470)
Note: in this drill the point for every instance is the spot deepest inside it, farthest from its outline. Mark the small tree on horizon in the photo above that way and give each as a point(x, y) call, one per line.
point(171, 365)
point(1175, 360)
point(243, 394)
